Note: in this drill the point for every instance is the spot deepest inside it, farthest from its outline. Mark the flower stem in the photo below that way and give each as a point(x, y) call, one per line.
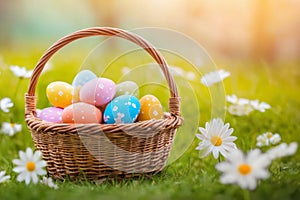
point(17, 86)
point(246, 194)
point(13, 113)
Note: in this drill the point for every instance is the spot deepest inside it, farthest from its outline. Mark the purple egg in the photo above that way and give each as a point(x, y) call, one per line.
point(51, 114)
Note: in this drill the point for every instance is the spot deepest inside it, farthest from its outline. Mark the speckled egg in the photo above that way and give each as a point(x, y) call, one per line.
point(59, 94)
point(51, 114)
point(80, 79)
point(98, 91)
point(151, 108)
point(81, 113)
point(122, 109)
point(127, 88)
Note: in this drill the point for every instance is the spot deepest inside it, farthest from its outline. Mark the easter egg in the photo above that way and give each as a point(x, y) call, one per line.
point(122, 109)
point(98, 91)
point(81, 113)
point(59, 94)
point(150, 108)
point(127, 88)
point(80, 79)
point(51, 114)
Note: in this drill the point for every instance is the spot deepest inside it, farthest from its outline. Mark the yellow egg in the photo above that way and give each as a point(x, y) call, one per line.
point(150, 108)
point(59, 94)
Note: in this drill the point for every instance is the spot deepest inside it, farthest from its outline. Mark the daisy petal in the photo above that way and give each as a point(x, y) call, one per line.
point(30, 166)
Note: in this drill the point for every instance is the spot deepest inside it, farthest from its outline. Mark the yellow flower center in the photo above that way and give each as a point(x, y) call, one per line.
point(12, 125)
point(216, 140)
point(269, 135)
point(30, 166)
point(244, 169)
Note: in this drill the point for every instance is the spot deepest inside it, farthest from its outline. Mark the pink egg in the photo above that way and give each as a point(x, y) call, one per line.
point(98, 91)
point(81, 113)
point(51, 114)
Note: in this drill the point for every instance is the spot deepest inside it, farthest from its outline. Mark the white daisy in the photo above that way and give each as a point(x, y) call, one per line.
point(10, 128)
point(232, 98)
point(21, 72)
point(242, 106)
point(177, 71)
point(261, 141)
point(214, 77)
point(3, 178)
point(216, 138)
point(49, 182)
point(243, 101)
point(5, 104)
point(244, 170)
point(275, 139)
point(30, 166)
point(240, 109)
point(267, 138)
point(282, 150)
point(260, 106)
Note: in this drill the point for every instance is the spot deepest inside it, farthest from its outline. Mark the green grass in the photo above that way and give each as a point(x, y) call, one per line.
point(187, 177)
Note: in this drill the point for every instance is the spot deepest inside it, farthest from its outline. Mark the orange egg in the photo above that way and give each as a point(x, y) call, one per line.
point(81, 113)
point(59, 94)
point(151, 108)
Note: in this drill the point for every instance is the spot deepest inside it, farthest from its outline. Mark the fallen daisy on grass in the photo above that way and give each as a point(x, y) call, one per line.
point(3, 177)
point(21, 72)
point(214, 77)
point(216, 138)
point(243, 169)
point(5, 104)
point(10, 129)
point(49, 182)
point(30, 166)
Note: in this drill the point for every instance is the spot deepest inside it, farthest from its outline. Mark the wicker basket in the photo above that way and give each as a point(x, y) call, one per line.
point(98, 151)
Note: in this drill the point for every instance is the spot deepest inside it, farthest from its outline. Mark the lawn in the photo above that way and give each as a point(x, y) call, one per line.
point(186, 176)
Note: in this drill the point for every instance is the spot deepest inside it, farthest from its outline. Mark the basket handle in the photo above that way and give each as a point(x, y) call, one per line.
point(174, 100)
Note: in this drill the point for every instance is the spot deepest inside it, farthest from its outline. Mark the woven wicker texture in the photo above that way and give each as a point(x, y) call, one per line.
point(97, 151)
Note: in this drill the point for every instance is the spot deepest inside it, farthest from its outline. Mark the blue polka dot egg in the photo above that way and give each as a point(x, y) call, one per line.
point(122, 109)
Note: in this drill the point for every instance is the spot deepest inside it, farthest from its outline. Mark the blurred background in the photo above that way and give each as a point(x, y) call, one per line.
point(267, 30)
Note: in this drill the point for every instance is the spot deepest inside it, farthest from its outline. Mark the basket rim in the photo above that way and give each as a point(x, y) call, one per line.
point(35, 123)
